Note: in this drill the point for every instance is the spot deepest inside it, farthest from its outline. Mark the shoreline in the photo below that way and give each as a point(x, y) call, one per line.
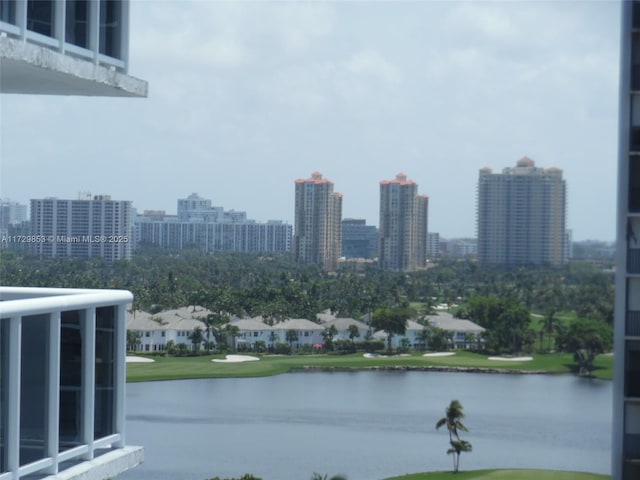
point(191, 367)
point(425, 368)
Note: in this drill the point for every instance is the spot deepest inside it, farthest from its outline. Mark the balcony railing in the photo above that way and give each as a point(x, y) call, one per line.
point(62, 360)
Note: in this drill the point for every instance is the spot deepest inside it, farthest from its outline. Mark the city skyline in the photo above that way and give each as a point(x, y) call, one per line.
point(254, 93)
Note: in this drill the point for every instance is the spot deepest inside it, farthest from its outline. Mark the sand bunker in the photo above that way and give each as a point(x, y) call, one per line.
point(439, 354)
point(512, 359)
point(131, 359)
point(372, 355)
point(235, 359)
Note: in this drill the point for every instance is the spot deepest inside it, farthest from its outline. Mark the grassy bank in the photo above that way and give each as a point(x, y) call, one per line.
point(503, 475)
point(171, 368)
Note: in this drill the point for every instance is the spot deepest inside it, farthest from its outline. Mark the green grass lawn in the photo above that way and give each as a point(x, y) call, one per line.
point(503, 475)
point(169, 368)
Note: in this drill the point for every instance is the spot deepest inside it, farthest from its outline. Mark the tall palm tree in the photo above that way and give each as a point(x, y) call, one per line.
point(232, 331)
point(273, 337)
point(354, 332)
point(291, 336)
point(453, 421)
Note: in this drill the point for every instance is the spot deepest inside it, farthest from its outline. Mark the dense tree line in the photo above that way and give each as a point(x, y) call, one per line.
point(277, 287)
point(274, 286)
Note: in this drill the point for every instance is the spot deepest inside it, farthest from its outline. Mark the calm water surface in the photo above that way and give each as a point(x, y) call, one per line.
point(367, 425)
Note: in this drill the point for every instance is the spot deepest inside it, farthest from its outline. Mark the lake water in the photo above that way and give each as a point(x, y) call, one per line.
point(367, 425)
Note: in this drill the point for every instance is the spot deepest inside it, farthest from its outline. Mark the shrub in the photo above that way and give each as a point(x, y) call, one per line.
point(371, 345)
point(282, 348)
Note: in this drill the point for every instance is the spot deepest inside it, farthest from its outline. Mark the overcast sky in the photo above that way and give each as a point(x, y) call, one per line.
point(245, 97)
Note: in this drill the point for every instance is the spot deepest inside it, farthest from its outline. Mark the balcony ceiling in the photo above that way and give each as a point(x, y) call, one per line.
point(30, 69)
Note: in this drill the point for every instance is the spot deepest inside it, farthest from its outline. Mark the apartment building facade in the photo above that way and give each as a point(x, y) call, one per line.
point(205, 227)
point(522, 216)
point(359, 240)
point(403, 229)
point(318, 222)
point(626, 382)
point(88, 227)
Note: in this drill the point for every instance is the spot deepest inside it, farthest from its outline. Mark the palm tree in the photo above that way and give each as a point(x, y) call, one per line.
point(327, 335)
point(354, 332)
point(133, 339)
point(273, 336)
point(196, 337)
point(457, 447)
point(232, 331)
point(209, 324)
point(453, 421)
point(291, 336)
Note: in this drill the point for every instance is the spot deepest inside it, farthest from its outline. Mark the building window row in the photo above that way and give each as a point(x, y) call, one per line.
point(91, 29)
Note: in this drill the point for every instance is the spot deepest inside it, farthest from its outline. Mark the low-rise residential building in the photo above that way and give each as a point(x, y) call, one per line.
point(252, 330)
point(411, 338)
point(156, 330)
point(309, 333)
point(464, 333)
point(343, 326)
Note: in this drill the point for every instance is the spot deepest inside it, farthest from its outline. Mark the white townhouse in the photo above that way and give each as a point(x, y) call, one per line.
point(343, 324)
point(253, 330)
point(412, 334)
point(309, 333)
point(158, 329)
point(462, 330)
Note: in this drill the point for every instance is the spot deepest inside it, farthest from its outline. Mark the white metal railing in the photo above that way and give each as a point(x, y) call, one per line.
point(19, 306)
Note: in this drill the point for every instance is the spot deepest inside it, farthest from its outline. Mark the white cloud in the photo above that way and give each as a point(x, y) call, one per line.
point(298, 26)
point(373, 65)
point(483, 18)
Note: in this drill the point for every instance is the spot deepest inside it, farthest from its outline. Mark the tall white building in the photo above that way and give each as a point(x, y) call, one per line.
point(522, 216)
point(62, 401)
point(83, 228)
point(403, 225)
point(318, 222)
point(626, 383)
